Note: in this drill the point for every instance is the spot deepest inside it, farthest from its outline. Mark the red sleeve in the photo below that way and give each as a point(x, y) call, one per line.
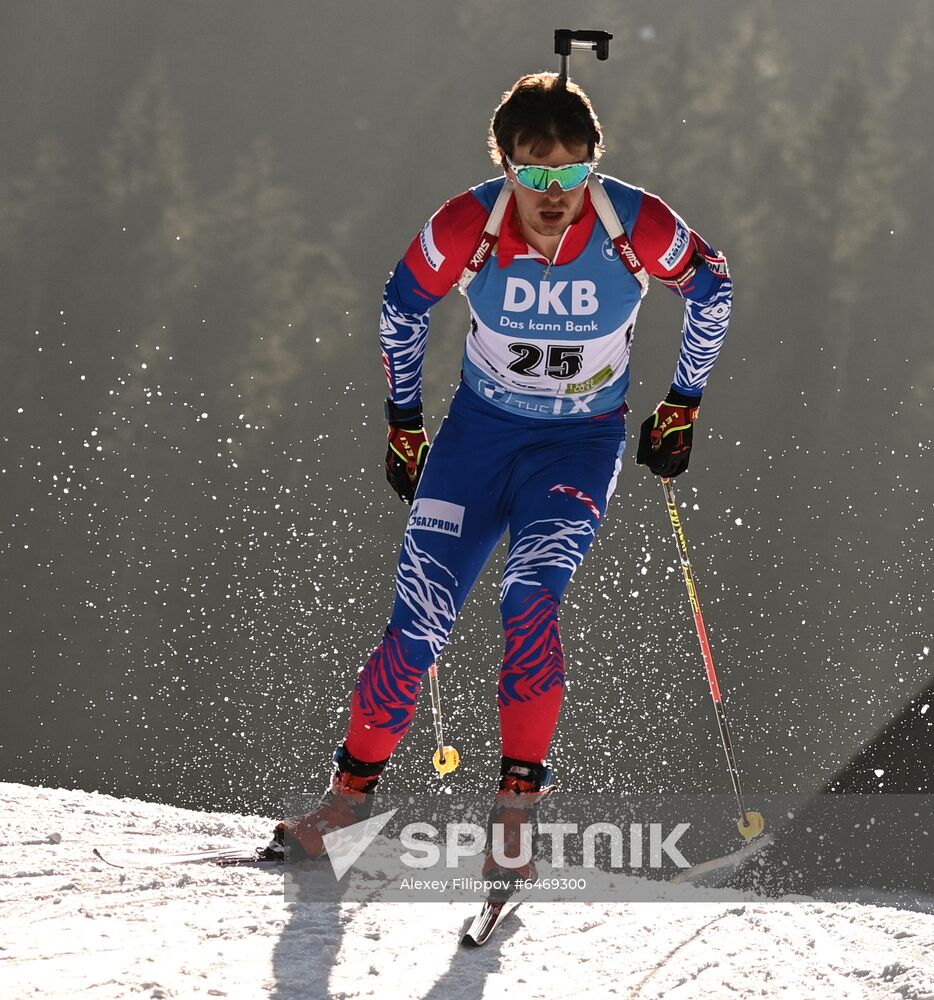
point(663, 241)
point(439, 254)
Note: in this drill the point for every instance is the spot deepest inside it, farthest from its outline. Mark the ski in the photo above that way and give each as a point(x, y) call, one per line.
point(225, 857)
point(723, 865)
point(247, 861)
point(493, 912)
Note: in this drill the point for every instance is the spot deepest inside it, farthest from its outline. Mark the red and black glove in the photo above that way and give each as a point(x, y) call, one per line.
point(407, 450)
point(666, 436)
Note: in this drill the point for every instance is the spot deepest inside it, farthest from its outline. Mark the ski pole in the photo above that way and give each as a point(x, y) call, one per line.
point(445, 759)
point(750, 824)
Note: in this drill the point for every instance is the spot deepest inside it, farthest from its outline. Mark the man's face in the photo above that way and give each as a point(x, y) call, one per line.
point(550, 212)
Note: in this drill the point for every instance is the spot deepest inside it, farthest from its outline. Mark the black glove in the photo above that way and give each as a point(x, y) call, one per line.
point(666, 436)
point(407, 450)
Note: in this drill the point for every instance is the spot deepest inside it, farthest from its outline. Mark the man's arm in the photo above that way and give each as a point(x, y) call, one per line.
point(428, 271)
point(403, 335)
point(683, 261)
point(679, 258)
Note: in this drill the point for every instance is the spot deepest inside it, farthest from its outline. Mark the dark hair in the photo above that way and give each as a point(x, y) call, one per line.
point(541, 110)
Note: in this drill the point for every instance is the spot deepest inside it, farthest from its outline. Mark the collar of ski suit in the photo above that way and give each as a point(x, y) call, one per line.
point(512, 243)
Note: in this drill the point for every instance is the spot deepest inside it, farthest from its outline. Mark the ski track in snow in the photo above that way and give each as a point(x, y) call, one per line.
point(77, 928)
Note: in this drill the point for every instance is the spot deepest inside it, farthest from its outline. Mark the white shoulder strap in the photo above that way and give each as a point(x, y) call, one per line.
point(611, 223)
point(605, 212)
point(487, 242)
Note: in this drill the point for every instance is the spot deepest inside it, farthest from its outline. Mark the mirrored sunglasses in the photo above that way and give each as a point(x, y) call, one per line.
point(539, 178)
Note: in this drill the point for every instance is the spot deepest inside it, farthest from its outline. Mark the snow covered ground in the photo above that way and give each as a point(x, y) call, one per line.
point(73, 927)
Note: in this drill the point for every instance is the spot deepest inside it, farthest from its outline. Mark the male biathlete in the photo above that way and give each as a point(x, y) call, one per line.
point(554, 262)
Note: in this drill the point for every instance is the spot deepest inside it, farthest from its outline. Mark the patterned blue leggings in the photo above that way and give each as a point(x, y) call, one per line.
point(548, 483)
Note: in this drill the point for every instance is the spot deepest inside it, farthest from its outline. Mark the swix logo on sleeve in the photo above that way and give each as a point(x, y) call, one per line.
point(437, 515)
point(552, 297)
point(433, 255)
point(679, 245)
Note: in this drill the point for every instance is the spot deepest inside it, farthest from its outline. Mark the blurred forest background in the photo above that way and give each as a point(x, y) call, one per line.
point(199, 205)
